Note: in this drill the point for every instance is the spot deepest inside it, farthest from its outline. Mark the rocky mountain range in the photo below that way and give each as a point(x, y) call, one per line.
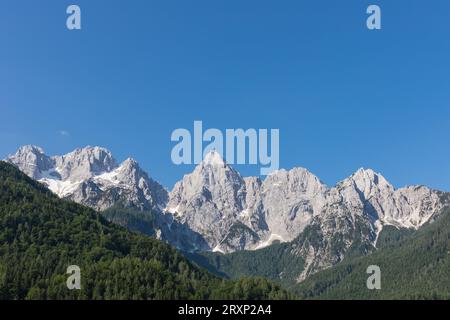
point(216, 209)
point(92, 177)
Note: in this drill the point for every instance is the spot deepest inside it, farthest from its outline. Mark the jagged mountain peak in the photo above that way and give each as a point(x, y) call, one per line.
point(31, 160)
point(213, 158)
point(212, 173)
point(130, 172)
point(130, 163)
point(297, 180)
point(369, 174)
point(91, 176)
point(367, 181)
point(91, 154)
point(212, 176)
point(84, 163)
point(90, 148)
point(78, 165)
point(210, 199)
point(294, 172)
point(215, 197)
point(30, 149)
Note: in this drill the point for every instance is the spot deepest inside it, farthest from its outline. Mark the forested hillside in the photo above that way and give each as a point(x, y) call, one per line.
point(276, 263)
point(416, 266)
point(41, 235)
point(132, 219)
point(281, 262)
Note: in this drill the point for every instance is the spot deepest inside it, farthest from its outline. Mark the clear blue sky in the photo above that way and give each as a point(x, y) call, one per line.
point(342, 96)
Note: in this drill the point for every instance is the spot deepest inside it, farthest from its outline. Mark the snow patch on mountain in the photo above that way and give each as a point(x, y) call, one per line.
point(272, 238)
point(91, 176)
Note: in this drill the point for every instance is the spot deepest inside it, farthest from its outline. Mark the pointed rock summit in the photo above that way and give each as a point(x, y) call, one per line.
point(368, 181)
point(91, 176)
point(213, 158)
point(84, 163)
point(209, 199)
point(31, 160)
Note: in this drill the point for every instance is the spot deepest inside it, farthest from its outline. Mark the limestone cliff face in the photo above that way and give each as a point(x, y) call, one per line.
point(215, 201)
point(215, 209)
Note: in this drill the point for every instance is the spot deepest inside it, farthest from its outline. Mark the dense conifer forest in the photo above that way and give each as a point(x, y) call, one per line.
point(41, 235)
